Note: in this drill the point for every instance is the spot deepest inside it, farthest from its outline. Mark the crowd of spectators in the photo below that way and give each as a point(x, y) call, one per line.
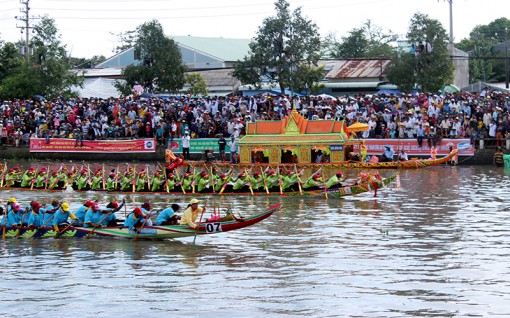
point(422, 116)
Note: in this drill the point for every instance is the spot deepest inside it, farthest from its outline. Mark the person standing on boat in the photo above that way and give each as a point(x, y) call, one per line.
point(168, 216)
point(81, 212)
point(186, 143)
point(191, 214)
point(61, 216)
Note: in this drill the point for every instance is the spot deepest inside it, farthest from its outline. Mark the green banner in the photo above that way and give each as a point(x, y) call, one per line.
point(196, 145)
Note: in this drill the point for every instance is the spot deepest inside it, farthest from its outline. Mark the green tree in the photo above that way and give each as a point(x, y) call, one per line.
point(84, 63)
point(367, 41)
point(197, 83)
point(283, 46)
point(47, 70)
point(485, 46)
point(10, 60)
point(430, 67)
point(161, 68)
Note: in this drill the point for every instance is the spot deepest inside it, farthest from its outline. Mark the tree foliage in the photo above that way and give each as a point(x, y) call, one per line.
point(197, 83)
point(161, 68)
point(486, 49)
point(286, 48)
point(46, 72)
point(367, 41)
point(429, 67)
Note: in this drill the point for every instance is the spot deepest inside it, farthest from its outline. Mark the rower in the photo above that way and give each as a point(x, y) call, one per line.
point(335, 181)
point(168, 216)
point(50, 211)
point(81, 211)
point(93, 216)
point(146, 208)
point(34, 218)
point(110, 219)
point(61, 217)
point(14, 216)
point(135, 219)
point(190, 216)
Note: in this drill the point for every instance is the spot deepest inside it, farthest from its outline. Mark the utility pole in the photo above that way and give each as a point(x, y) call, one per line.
point(506, 58)
point(451, 20)
point(25, 26)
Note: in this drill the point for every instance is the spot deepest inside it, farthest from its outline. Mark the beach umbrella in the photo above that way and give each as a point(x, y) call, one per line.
point(357, 126)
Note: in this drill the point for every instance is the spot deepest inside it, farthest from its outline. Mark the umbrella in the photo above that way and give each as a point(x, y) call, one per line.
point(449, 89)
point(357, 126)
point(325, 96)
point(138, 88)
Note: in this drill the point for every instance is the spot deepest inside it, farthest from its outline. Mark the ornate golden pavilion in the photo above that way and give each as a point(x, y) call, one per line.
point(295, 139)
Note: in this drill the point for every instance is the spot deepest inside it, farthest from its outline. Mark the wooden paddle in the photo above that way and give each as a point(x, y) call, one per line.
point(249, 181)
point(264, 178)
point(47, 178)
point(325, 188)
point(141, 226)
point(22, 219)
point(5, 221)
point(99, 223)
point(57, 235)
point(199, 221)
point(298, 180)
point(33, 180)
point(3, 175)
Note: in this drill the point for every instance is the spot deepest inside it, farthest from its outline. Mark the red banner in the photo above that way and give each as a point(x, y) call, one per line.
point(112, 146)
point(410, 146)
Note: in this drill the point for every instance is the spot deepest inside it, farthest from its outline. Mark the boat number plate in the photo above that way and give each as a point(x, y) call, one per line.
point(213, 227)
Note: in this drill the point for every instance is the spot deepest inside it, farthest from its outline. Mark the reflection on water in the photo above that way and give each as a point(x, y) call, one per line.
point(437, 247)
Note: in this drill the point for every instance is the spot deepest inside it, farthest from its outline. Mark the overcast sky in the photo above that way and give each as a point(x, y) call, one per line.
point(86, 26)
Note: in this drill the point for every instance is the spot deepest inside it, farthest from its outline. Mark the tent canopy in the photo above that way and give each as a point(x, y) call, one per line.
point(357, 126)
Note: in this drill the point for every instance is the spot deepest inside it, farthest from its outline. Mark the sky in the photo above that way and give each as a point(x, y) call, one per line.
point(89, 27)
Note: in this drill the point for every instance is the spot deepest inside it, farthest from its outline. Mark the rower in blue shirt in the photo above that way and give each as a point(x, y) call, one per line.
point(34, 218)
point(14, 216)
point(93, 216)
point(108, 215)
point(168, 216)
point(135, 219)
point(61, 216)
point(80, 213)
point(49, 212)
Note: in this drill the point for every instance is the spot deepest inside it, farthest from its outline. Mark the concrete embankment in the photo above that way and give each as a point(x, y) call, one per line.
point(481, 157)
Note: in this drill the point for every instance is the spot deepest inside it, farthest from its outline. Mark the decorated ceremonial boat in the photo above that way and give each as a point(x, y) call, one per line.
point(154, 232)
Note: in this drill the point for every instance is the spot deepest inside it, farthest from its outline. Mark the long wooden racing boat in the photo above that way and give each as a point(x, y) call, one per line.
point(409, 164)
point(147, 232)
point(346, 190)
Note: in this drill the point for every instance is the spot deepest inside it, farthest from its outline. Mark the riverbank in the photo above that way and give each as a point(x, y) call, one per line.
point(481, 156)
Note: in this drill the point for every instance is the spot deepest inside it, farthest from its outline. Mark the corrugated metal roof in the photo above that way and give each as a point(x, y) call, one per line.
point(356, 68)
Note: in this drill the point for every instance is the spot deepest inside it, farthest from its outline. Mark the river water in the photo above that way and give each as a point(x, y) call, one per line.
point(438, 246)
